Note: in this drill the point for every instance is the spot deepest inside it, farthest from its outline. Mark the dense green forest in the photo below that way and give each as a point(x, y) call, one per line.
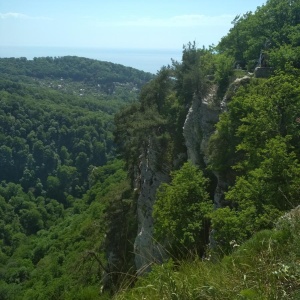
point(74, 133)
point(57, 155)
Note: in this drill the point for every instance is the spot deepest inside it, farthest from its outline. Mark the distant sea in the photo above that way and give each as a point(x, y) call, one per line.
point(149, 60)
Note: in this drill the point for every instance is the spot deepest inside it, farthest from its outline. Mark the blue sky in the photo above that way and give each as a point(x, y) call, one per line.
point(152, 24)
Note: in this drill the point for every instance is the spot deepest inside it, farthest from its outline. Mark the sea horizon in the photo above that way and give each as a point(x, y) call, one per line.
point(148, 60)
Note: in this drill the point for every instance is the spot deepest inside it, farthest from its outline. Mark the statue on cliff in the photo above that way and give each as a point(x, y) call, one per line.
point(262, 62)
point(263, 57)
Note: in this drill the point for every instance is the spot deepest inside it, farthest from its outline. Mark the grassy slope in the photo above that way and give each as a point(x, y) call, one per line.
point(265, 267)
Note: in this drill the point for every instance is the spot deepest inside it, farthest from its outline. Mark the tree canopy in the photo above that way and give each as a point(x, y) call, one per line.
point(73, 131)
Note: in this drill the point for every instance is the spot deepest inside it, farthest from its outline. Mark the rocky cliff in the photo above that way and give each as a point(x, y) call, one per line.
point(147, 179)
point(198, 127)
point(222, 180)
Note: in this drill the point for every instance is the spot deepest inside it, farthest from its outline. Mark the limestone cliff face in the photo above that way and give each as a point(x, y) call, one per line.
point(199, 125)
point(148, 178)
point(222, 182)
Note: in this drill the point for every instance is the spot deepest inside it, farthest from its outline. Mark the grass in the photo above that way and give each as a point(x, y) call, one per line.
point(265, 267)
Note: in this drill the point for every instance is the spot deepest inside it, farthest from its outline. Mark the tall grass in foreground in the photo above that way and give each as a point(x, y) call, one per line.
point(265, 267)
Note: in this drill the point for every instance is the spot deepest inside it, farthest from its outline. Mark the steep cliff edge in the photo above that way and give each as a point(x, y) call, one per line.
point(199, 125)
point(222, 180)
point(147, 179)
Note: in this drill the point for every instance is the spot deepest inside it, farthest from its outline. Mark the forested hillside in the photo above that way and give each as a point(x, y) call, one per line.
point(223, 125)
point(57, 155)
point(117, 184)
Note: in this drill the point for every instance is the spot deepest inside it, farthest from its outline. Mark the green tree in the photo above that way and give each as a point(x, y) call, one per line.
point(181, 211)
point(66, 176)
point(224, 71)
point(53, 187)
point(256, 147)
point(6, 162)
point(259, 197)
point(31, 220)
point(273, 24)
point(190, 74)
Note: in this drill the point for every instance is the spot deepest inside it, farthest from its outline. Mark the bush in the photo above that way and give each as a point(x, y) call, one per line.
point(181, 211)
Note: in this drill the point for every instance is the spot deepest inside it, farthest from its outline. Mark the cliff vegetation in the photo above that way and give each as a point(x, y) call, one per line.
point(116, 184)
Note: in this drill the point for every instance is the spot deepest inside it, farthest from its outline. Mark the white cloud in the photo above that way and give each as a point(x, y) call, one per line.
point(13, 15)
point(200, 20)
point(176, 21)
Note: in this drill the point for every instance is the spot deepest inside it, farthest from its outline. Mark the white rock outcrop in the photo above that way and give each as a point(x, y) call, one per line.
point(199, 126)
point(148, 179)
